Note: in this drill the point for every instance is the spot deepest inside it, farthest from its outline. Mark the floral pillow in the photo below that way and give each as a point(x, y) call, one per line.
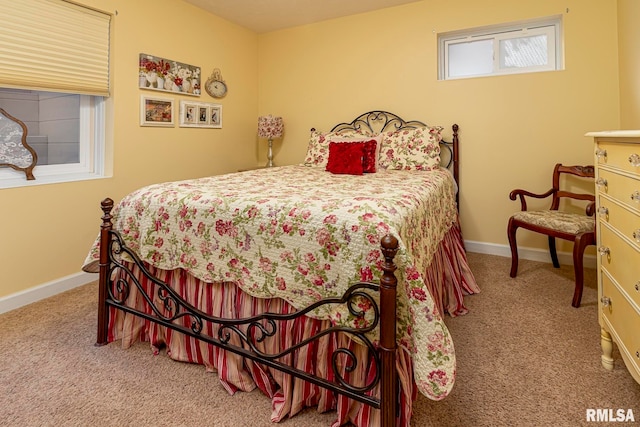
point(318, 148)
point(411, 149)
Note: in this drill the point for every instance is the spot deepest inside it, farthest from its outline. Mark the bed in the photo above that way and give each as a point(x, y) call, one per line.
point(322, 284)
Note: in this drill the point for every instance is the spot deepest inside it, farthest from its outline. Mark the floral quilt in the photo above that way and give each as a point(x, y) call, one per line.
point(303, 234)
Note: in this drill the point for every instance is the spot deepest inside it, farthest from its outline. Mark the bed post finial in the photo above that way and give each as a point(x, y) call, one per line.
point(388, 345)
point(106, 205)
point(103, 281)
point(389, 245)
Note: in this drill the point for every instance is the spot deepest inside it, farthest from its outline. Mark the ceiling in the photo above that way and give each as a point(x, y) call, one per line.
point(263, 16)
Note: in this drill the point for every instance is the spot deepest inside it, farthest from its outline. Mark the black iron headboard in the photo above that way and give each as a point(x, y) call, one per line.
point(379, 121)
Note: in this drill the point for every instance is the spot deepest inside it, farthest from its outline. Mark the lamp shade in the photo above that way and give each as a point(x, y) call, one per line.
point(270, 127)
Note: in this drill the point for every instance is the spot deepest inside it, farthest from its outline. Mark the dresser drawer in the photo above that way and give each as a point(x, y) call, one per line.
point(623, 220)
point(622, 188)
point(622, 262)
point(621, 156)
point(623, 318)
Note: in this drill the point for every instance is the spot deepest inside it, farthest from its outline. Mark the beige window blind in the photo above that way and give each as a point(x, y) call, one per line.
point(54, 45)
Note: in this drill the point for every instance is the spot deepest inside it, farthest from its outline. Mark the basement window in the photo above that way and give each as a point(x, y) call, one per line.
point(54, 78)
point(65, 130)
point(512, 48)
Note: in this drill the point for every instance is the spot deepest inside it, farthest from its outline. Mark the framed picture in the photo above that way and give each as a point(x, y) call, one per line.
point(200, 115)
point(156, 111)
point(203, 115)
point(188, 114)
point(215, 116)
point(161, 74)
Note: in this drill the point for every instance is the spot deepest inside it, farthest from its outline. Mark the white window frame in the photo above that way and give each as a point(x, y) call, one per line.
point(90, 164)
point(550, 26)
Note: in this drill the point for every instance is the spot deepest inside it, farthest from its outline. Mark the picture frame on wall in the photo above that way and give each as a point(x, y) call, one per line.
point(215, 116)
point(200, 115)
point(188, 114)
point(166, 75)
point(156, 111)
point(203, 114)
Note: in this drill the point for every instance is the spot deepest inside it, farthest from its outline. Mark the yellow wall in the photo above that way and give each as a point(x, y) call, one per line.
point(47, 230)
point(513, 128)
point(629, 51)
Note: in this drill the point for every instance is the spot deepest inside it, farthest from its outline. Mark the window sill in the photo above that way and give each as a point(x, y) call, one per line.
point(18, 182)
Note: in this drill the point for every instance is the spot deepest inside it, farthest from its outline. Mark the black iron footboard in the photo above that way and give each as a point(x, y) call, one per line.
point(171, 310)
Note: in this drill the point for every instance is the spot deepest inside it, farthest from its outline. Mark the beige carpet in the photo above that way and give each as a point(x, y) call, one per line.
point(525, 358)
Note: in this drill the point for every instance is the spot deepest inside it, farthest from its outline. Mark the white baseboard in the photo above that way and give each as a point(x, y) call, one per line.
point(531, 254)
point(46, 290)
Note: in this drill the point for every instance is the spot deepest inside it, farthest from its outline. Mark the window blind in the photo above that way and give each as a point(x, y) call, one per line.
point(54, 45)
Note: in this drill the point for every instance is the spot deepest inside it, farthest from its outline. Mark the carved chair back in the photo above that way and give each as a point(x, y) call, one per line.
point(558, 193)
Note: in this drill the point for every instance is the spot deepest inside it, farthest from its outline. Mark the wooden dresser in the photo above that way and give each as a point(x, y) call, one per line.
point(617, 161)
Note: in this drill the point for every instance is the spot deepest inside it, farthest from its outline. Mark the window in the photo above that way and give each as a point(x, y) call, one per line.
point(54, 77)
point(65, 130)
point(506, 49)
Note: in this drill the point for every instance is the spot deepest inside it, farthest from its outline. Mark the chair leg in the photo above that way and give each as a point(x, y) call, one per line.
point(579, 247)
point(511, 233)
point(552, 251)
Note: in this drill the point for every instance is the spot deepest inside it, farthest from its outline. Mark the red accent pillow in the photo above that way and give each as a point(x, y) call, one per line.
point(369, 155)
point(369, 158)
point(346, 158)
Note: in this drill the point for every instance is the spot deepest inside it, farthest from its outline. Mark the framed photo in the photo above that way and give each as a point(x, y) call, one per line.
point(200, 115)
point(215, 116)
point(203, 115)
point(188, 114)
point(156, 111)
point(166, 75)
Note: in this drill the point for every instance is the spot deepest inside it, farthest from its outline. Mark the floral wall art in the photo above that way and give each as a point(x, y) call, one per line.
point(168, 76)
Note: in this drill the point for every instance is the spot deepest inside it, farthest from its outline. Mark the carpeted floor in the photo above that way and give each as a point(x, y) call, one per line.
point(525, 357)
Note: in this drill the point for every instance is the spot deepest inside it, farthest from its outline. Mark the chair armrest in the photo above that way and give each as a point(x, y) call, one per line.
point(522, 193)
point(591, 208)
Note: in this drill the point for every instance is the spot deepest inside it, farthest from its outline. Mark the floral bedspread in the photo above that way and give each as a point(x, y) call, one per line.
point(302, 234)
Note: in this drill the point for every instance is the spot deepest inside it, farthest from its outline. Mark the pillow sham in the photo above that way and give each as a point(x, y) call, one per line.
point(318, 148)
point(411, 149)
point(346, 158)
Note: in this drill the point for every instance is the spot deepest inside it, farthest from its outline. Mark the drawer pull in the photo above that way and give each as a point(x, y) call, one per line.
point(634, 159)
point(635, 196)
point(638, 354)
point(603, 210)
point(606, 301)
point(601, 182)
point(603, 250)
point(600, 153)
point(637, 286)
point(636, 235)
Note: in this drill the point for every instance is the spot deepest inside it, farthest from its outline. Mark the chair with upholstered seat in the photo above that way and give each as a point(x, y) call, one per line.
point(575, 227)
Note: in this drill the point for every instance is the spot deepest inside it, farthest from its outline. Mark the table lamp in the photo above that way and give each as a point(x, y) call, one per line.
point(270, 127)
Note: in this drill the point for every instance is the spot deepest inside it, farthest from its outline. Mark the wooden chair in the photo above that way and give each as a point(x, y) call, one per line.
point(554, 223)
